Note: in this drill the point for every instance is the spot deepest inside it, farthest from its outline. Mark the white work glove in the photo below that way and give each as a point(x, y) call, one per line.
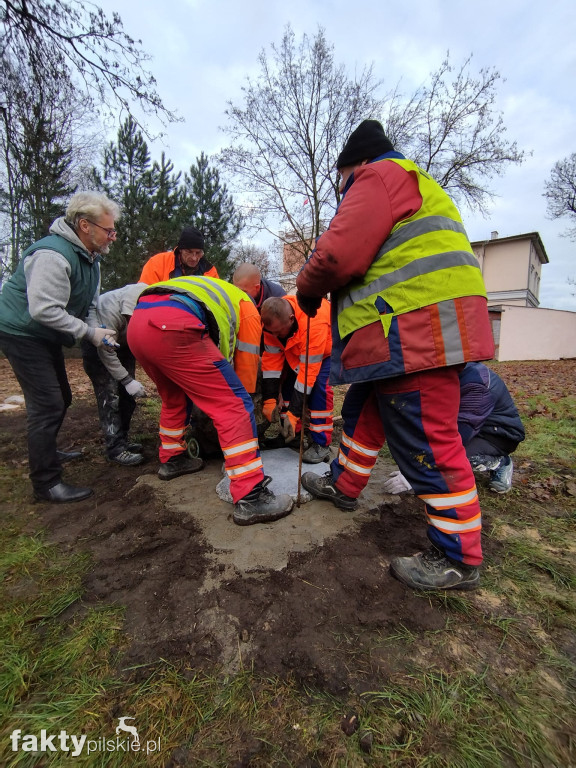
point(102, 337)
point(396, 483)
point(135, 389)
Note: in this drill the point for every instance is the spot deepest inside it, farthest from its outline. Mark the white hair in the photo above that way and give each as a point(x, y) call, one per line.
point(90, 204)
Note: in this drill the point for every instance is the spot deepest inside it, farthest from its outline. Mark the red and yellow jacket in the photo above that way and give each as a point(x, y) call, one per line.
point(294, 351)
point(407, 292)
point(165, 266)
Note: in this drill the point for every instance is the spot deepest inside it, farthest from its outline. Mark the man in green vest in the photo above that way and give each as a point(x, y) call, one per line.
point(43, 307)
point(409, 309)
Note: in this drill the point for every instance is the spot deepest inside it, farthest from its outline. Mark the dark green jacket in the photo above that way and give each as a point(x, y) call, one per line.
point(15, 317)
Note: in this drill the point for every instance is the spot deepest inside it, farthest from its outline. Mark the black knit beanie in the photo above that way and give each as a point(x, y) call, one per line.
point(191, 239)
point(365, 143)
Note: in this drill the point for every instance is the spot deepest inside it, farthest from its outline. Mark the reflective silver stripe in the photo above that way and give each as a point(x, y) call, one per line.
point(312, 358)
point(214, 291)
point(243, 469)
point(447, 525)
point(450, 332)
point(300, 388)
point(171, 432)
point(419, 227)
point(449, 500)
point(170, 446)
point(416, 268)
point(243, 346)
point(249, 445)
point(271, 374)
point(272, 350)
point(344, 461)
point(361, 449)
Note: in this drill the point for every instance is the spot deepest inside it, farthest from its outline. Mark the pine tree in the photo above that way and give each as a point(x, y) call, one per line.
point(152, 201)
point(168, 210)
point(127, 178)
point(211, 209)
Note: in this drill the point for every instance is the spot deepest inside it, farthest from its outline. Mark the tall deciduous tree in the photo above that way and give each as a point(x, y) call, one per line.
point(248, 253)
point(286, 136)
point(450, 127)
point(76, 37)
point(43, 147)
point(299, 111)
point(560, 193)
point(211, 209)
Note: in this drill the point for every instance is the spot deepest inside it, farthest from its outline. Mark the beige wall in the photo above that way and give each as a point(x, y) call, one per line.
point(505, 267)
point(530, 333)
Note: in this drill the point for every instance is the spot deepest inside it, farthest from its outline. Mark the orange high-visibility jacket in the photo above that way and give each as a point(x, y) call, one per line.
point(161, 267)
point(247, 352)
point(294, 353)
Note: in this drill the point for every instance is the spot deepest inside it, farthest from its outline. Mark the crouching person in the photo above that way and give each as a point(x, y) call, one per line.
point(287, 339)
point(489, 425)
point(111, 370)
point(199, 338)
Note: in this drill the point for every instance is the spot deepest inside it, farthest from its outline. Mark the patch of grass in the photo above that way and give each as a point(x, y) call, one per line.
point(448, 720)
point(493, 689)
point(550, 428)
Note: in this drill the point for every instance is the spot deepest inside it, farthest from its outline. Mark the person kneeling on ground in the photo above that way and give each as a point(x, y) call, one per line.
point(284, 365)
point(186, 333)
point(489, 425)
point(111, 370)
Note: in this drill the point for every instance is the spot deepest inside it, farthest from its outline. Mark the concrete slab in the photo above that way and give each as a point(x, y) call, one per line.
point(258, 548)
point(282, 466)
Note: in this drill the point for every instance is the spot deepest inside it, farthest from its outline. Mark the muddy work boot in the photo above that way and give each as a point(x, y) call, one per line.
point(501, 478)
point(262, 506)
point(483, 463)
point(178, 465)
point(127, 458)
point(323, 487)
point(316, 454)
point(431, 569)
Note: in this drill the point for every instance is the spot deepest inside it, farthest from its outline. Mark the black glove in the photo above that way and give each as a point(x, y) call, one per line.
point(308, 304)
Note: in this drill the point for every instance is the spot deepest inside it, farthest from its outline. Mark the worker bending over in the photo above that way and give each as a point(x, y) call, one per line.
point(284, 367)
point(199, 337)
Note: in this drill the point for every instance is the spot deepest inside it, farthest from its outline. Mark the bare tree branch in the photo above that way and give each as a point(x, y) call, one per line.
point(451, 129)
point(50, 35)
point(285, 137)
point(561, 193)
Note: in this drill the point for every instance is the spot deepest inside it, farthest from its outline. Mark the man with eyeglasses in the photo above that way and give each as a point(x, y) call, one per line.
point(43, 307)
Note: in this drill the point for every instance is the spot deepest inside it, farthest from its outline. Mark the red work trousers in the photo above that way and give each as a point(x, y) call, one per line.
point(417, 415)
point(182, 360)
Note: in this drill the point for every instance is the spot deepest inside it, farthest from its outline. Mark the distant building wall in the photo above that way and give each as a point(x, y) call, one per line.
point(529, 333)
point(507, 268)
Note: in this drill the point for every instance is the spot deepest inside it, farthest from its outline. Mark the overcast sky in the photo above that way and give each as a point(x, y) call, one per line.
point(203, 50)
